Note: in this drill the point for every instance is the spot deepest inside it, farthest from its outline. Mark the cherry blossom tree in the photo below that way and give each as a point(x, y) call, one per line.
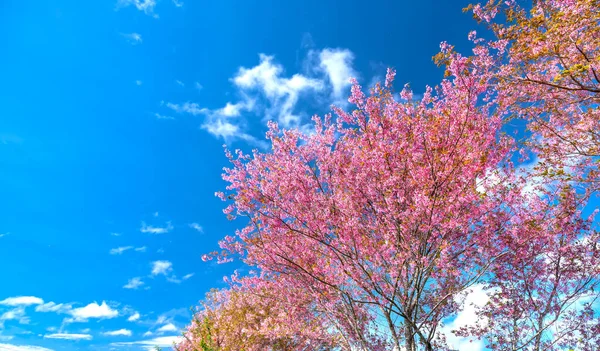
point(368, 230)
point(253, 315)
point(549, 75)
point(378, 215)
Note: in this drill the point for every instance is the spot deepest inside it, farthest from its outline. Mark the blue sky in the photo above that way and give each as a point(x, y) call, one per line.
point(112, 124)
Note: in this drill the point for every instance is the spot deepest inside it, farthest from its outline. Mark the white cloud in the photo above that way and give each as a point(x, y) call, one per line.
point(475, 298)
point(93, 310)
point(22, 301)
point(133, 39)
point(188, 107)
point(10, 347)
point(198, 86)
point(53, 307)
point(163, 341)
point(177, 3)
point(180, 83)
point(267, 90)
point(220, 127)
point(115, 234)
point(282, 93)
point(120, 250)
point(167, 328)
point(232, 110)
point(120, 332)
point(134, 283)
point(197, 227)
point(147, 6)
point(163, 117)
point(161, 267)
point(174, 279)
point(67, 336)
point(156, 230)
point(134, 317)
point(148, 333)
point(17, 314)
point(140, 249)
point(188, 276)
point(138, 82)
point(337, 64)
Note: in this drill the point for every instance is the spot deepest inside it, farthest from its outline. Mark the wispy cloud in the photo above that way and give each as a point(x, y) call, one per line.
point(120, 332)
point(138, 82)
point(22, 301)
point(53, 307)
point(197, 227)
point(133, 39)
point(146, 228)
point(147, 6)
point(188, 107)
point(266, 90)
point(178, 3)
point(180, 83)
point(167, 328)
point(174, 279)
point(161, 267)
point(198, 86)
point(133, 283)
point(134, 317)
point(337, 64)
point(120, 250)
point(67, 336)
point(115, 234)
point(188, 276)
point(163, 341)
point(140, 249)
point(17, 314)
point(282, 93)
point(10, 347)
point(163, 117)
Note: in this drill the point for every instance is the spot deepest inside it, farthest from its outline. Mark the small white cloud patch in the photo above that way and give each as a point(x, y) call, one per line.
point(146, 228)
point(134, 317)
point(120, 332)
point(120, 250)
point(93, 310)
point(133, 39)
point(53, 307)
point(68, 336)
point(146, 6)
point(161, 267)
point(337, 64)
point(197, 227)
point(167, 328)
point(22, 301)
point(10, 347)
point(134, 283)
